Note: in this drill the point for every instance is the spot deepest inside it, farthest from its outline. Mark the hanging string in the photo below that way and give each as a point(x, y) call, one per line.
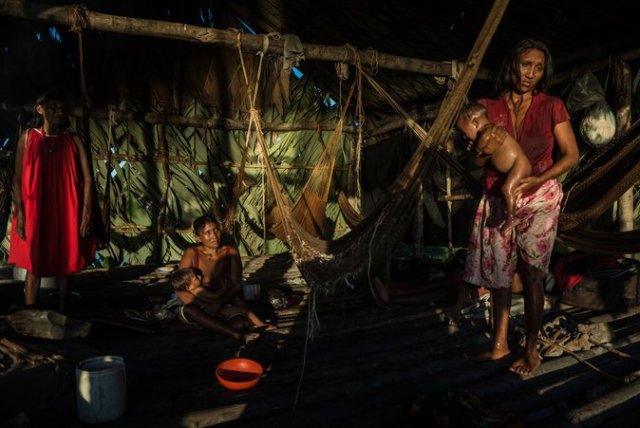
point(360, 118)
point(251, 93)
point(79, 21)
point(606, 80)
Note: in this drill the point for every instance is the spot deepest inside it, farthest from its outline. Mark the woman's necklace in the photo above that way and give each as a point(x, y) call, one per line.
point(212, 255)
point(53, 142)
point(55, 145)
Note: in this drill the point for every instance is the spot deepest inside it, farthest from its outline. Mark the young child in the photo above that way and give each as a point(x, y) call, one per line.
point(492, 142)
point(205, 309)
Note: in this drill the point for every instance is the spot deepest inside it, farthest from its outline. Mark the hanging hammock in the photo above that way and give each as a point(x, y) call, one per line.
point(352, 217)
point(328, 263)
point(593, 187)
point(310, 207)
point(599, 182)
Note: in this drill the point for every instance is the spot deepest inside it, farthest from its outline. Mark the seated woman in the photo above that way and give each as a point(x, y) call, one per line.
point(221, 269)
point(205, 309)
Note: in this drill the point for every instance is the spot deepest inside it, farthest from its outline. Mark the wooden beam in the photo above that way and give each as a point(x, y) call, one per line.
point(156, 118)
point(558, 78)
point(226, 38)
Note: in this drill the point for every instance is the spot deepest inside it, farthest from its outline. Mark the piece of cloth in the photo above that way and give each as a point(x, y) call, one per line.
point(493, 257)
point(577, 266)
point(535, 133)
point(293, 52)
point(52, 192)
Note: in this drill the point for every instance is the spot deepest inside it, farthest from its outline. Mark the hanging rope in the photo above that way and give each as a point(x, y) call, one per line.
point(251, 93)
point(79, 18)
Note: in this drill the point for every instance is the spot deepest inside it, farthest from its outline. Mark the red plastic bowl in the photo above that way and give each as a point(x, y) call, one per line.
point(239, 373)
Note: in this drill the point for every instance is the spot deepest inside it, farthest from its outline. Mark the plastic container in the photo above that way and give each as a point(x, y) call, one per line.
point(101, 389)
point(239, 373)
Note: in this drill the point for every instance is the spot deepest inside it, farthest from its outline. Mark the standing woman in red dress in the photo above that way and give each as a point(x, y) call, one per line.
point(51, 233)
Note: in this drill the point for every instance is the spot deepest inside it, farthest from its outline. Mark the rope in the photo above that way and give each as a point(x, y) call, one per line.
point(79, 18)
point(313, 323)
point(251, 93)
point(373, 235)
point(579, 358)
point(359, 144)
point(373, 61)
point(342, 70)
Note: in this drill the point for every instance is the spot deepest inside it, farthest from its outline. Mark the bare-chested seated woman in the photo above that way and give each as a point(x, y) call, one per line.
point(221, 269)
point(205, 310)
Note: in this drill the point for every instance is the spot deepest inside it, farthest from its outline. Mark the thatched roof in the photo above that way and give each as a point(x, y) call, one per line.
point(578, 33)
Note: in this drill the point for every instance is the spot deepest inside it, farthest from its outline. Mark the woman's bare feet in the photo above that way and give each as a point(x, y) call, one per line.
point(498, 352)
point(488, 356)
point(526, 364)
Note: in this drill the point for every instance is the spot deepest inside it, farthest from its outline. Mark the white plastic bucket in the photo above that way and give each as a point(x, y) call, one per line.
point(101, 389)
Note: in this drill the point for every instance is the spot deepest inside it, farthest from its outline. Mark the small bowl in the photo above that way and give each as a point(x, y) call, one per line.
point(239, 373)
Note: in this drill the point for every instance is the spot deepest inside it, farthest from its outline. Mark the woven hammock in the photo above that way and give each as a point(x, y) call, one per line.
point(593, 187)
point(351, 257)
point(353, 217)
point(309, 210)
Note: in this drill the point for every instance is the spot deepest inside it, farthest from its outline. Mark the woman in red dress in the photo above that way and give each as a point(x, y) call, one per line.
point(52, 203)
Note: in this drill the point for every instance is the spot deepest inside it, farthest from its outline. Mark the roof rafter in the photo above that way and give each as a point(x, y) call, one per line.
point(225, 38)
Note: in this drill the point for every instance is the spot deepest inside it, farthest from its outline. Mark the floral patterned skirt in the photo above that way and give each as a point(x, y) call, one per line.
point(493, 257)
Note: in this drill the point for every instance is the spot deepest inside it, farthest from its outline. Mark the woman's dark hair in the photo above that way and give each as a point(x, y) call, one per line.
point(44, 99)
point(201, 222)
point(510, 65)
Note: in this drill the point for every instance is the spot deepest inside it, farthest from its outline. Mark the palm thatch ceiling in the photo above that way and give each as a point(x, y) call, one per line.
point(578, 32)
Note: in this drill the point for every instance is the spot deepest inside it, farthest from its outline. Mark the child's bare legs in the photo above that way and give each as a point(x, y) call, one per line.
point(510, 202)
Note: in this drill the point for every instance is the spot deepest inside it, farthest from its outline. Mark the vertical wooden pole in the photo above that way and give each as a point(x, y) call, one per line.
point(449, 201)
point(622, 85)
point(418, 231)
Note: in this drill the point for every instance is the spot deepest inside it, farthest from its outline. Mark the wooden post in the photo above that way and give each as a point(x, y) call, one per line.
point(622, 85)
point(418, 231)
point(449, 201)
